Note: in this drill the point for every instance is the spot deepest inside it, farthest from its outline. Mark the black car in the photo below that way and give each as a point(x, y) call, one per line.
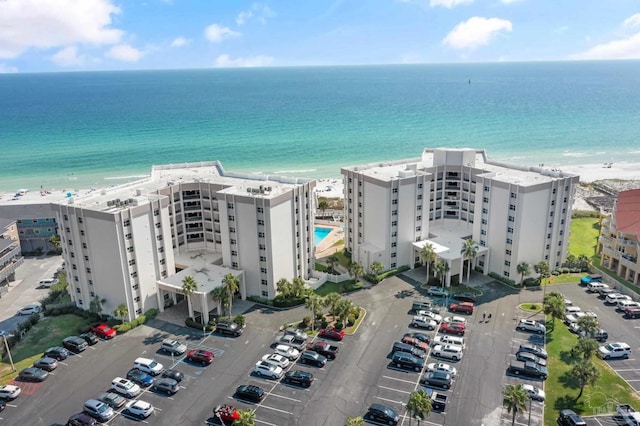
point(299, 377)
point(3, 405)
point(173, 374)
point(75, 344)
point(437, 378)
point(383, 414)
point(410, 349)
point(407, 361)
point(57, 353)
point(312, 358)
point(229, 328)
point(528, 356)
point(168, 386)
point(32, 374)
point(533, 349)
point(465, 296)
point(420, 336)
point(250, 393)
point(570, 418)
point(81, 419)
point(139, 377)
point(90, 338)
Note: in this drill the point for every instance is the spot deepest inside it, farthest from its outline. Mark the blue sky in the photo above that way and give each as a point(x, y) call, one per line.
point(77, 35)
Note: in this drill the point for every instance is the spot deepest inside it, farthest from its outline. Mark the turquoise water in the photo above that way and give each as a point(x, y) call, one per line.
point(319, 234)
point(77, 130)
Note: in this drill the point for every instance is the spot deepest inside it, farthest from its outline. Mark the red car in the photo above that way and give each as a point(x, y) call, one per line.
point(104, 331)
point(332, 333)
point(452, 328)
point(200, 356)
point(464, 307)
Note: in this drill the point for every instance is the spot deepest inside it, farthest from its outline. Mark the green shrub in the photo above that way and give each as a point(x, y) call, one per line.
point(123, 328)
point(84, 329)
point(34, 319)
point(191, 323)
point(306, 321)
point(168, 303)
point(142, 319)
point(151, 314)
point(353, 286)
point(339, 325)
point(351, 320)
point(55, 312)
point(531, 282)
point(262, 300)
point(281, 302)
point(502, 279)
point(323, 323)
point(240, 320)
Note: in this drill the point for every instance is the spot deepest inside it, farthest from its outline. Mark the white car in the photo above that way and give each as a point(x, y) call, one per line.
point(138, 409)
point(277, 360)
point(452, 352)
point(423, 322)
point(266, 369)
point(9, 391)
point(437, 291)
point(125, 387)
point(287, 351)
point(567, 302)
point(534, 392)
point(30, 310)
point(613, 298)
point(591, 314)
point(530, 325)
point(431, 315)
point(456, 320)
point(441, 366)
point(614, 350)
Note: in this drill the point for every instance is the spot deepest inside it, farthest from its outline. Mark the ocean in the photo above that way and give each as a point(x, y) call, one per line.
point(97, 129)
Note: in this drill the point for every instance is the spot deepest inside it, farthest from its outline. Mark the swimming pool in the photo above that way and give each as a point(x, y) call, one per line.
point(319, 234)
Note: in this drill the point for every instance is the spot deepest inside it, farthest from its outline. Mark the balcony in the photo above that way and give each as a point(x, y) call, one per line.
point(191, 208)
point(194, 219)
point(195, 229)
point(9, 268)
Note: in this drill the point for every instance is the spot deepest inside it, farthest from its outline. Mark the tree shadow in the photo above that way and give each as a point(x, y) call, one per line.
point(565, 402)
point(404, 293)
point(569, 358)
point(155, 338)
point(569, 381)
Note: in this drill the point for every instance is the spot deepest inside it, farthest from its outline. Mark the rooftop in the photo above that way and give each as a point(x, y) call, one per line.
point(628, 212)
point(201, 267)
point(447, 242)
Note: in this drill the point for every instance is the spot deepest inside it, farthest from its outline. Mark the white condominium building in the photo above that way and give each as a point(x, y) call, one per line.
point(513, 213)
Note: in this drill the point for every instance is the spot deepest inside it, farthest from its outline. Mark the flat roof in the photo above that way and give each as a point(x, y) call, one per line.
point(199, 265)
point(447, 241)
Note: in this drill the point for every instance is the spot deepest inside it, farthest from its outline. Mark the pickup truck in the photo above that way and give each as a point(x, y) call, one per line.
point(528, 368)
point(324, 349)
point(628, 414)
point(291, 340)
point(438, 400)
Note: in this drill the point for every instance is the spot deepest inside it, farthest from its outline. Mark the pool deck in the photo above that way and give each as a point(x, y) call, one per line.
point(325, 247)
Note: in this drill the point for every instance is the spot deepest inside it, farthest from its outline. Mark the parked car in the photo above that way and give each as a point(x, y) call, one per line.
point(614, 350)
point(527, 356)
point(614, 298)
point(383, 414)
point(530, 325)
point(430, 315)
point(250, 393)
point(313, 358)
point(229, 328)
point(420, 336)
point(331, 333)
point(90, 338)
point(167, 386)
point(437, 291)
point(465, 296)
point(148, 365)
point(534, 349)
point(46, 363)
point(407, 361)
point(632, 313)
point(625, 304)
point(104, 331)
point(81, 419)
point(452, 352)
point(444, 339)
point(9, 392)
point(200, 356)
point(75, 344)
point(438, 379)
point(424, 305)
point(604, 292)
point(423, 322)
point(112, 399)
point(173, 347)
point(138, 409)
point(125, 387)
point(593, 287)
point(173, 374)
point(403, 347)
point(267, 369)
point(298, 334)
point(32, 374)
point(291, 340)
point(452, 328)
point(57, 352)
point(287, 352)
point(528, 368)
point(30, 310)
point(570, 418)
point(277, 360)
point(590, 279)
point(534, 392)
point(442, 367)
point(139, 377)
point(456, 320)
point(98, 410)
point(299, 377)
point(419, 344)
point(463, 307)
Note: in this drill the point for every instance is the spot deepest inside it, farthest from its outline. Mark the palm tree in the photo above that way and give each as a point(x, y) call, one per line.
point(283, 287)
point(469, 251)
point(247, 418)
point(428, 255)
point(54, 240)
point(355, 421)
point(232, 284)
point(586, 348)
point(571, 259)
point(314, 304)
point(584, 260)
point(95, 306)
point(331, 300)
point(297, 287)
point(332, 261)
point(419, 405)
point(323, 205)
point(343, 309)
point(356, 271)
point(523, 269)
point(121, 312)
point(376, 267)
point(515, 399)
point(189, 286)
point(553, 305)
point(585, 373)
point(542, 268)
point(220, 295)
point(441, 269)
point(588, 325)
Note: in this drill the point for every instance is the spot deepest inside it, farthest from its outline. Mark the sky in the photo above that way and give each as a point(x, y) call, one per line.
point(94, 35)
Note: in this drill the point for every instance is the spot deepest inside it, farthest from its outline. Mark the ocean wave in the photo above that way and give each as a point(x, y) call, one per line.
point(295, 171)
point(633, 152)
point(577, 154)
point(126, 177)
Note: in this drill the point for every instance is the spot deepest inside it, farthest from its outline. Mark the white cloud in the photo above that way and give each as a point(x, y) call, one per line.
point(68, 57)
point(510, 1)
point(215, 33)
point(125, 53)
point(476, 32)
point(45, 24)
point(626, 48)
point(448, 3)
point(225, 61)
point(632, 21)
point(180, 41)
point(259, 12)
point(7, 69)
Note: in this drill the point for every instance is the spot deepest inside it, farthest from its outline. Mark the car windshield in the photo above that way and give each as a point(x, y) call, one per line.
point(610, 347)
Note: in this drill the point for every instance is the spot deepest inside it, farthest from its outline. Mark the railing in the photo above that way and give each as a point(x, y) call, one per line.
point(10, 268)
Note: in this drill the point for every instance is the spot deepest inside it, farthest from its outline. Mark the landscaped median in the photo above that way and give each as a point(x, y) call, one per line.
point(562, 390)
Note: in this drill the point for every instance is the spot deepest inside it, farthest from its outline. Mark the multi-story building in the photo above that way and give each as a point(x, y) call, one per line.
point(10, 255)
point(134, 244)
point(446, 196)
point(619, 241)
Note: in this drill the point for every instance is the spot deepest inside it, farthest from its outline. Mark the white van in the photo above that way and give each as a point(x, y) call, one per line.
point(593, 287)
point(448, 340)
point(47, 283)
point(571, 310)
point(626, 303)
point(148, 366)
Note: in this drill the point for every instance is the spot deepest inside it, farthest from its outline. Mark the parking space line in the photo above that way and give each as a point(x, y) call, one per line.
point(391, 400)
point(626, 369)
point(632, 380)
point(263, 422)
point(400, 380)
point(12, 405)
point(284, 397)
point(274, 409)
point(395, 390)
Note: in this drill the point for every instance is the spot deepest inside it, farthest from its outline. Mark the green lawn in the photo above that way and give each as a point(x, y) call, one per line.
point(561, 390)
point(584, 235)
point(566, 278)
point(340, 287)
point(48, 332)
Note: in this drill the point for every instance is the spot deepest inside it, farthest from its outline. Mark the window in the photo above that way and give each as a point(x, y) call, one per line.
point(132, 262)
point(264, 282)
point(262, 247)
point(66, 217)
point(234, 253)
point(512, 207)
point(507, 263)
point(263, 270)
point(128, 236)
point(75, 278)
point(485, 200)
point(79, 301)
point(420, 186)
point(560, 242)
point(72, 254)
point(394, 201)
point(263, 258)
point(550, 224)
point(126, 222)
point(74, 267)
point(394, 234)
point(229, 205)
point(394, 223)
point(483, 243)
point(260, 222)
point(485, 211)
point(260, 234)
point(486, 188)
point(159, 238)
point(419, 196)
point(509, 241)
point(512, 219)
point(514, 195)
point(548, 236)
point(137, 299)
point(79, 220)
point(78, 290)
point(394, 244)
point(158, 225)
point(561, 232)
point(68, 229)
point(506, 273)
point(234, 264)
point(232, 218)
point(553, 202)
point(88, 270)
point(395, 190)
point(554, 190)
point(393, 265)
point(419, 218)
point(394, 213)
point(160, 249)
point(510, 230)
point(130, 249)
point(134, 274)
point(163, 261)
point(156, 212)
point(265, 293)
point(393, 254)
point(90, 282)
point(232, 230)
point(232, 241)
point(81, 232)
point(484, 221)
point(507, 252)
point(418, 228)
point(483, 232)
point(419, 207)
point(548, 246)
point(550, 214)
point(84, 245)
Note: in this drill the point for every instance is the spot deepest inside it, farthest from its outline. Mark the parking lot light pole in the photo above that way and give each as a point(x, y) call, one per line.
point(6, 345)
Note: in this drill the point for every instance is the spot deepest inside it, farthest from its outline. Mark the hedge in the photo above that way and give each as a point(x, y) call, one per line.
point(377, 278)
point(502, 279)
point(191, 323)
point(281, 302)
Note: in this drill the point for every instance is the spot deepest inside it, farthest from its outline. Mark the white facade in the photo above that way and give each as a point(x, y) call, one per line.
point(513, 213)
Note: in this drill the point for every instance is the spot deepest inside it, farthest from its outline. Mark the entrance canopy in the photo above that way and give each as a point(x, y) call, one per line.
point(447, 242)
